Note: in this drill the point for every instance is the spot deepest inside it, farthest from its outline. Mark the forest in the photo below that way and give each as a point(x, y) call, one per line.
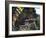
point(25, 19)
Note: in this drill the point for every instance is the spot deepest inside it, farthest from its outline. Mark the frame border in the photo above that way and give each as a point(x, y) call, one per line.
point(7, 18)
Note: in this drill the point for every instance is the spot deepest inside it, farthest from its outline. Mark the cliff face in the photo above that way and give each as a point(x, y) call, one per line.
point(27, 19)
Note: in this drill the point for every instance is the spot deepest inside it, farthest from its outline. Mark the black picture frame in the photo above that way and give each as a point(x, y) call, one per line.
point(7, 18)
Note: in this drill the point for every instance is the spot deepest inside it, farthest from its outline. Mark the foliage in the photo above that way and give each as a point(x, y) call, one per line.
point(24, 14)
